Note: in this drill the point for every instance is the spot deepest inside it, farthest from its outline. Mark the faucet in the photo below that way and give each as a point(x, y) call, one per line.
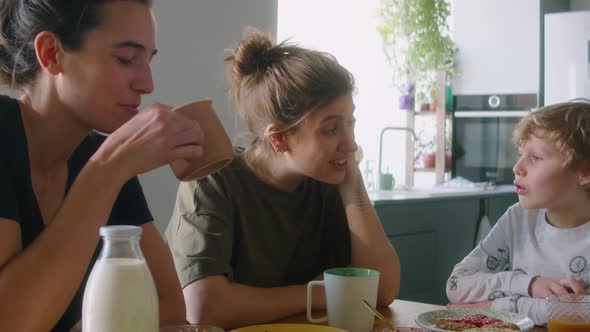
point(410, 130)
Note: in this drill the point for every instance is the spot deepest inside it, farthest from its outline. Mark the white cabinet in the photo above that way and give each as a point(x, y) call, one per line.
point(567, 52)
point(499, 46)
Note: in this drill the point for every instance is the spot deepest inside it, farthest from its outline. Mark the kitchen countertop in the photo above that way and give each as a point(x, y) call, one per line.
point(435, 193)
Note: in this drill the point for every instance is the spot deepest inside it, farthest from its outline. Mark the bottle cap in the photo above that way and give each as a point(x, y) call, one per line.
point(120, 231)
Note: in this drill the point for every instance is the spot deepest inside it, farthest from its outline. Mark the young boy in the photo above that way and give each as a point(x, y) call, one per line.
point(540, 245)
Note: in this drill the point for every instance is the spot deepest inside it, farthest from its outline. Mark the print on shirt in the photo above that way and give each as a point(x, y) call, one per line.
point(514, 301)
point(578, 264)
point(453, 280)
point(453, 283)
point(496, 295)
point(579, 267)
point(498, 264)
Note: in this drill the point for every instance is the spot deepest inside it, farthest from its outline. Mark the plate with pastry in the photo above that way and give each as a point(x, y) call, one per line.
point(465, 319)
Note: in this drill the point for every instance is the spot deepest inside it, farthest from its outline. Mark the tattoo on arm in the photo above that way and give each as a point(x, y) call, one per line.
point(360, 199)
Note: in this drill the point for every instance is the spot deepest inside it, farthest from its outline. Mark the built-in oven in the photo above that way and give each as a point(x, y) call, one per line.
point(482, 148)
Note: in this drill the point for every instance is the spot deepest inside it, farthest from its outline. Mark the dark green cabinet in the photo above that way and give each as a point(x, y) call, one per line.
point(497, 205)
point(431, 236)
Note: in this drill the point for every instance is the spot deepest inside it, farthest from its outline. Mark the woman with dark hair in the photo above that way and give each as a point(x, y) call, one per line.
point(247, 239)
point(81, 66)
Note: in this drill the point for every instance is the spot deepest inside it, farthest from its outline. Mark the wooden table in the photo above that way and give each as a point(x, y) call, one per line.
point(403, 313)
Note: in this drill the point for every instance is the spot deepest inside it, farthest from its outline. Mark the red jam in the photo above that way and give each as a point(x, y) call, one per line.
point(478, 320)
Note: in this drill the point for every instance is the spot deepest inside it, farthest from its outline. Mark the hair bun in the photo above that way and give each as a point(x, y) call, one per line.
point(255, 53)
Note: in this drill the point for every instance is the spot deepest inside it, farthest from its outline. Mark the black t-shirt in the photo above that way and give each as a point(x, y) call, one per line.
point(18, 202)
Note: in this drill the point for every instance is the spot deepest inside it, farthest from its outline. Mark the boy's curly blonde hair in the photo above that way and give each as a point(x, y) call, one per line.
point(567, 125)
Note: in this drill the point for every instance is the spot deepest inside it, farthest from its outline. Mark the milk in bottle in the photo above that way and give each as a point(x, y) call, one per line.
point(120, 295)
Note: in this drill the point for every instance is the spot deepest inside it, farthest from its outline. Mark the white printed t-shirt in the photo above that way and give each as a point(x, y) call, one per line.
point(520, 246)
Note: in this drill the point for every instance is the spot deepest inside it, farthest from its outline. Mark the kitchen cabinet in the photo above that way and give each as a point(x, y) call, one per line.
point(433, 234)
point(495, 206)
point(498, 45)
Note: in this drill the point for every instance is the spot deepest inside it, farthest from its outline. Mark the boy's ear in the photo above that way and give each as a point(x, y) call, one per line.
point(49, 52)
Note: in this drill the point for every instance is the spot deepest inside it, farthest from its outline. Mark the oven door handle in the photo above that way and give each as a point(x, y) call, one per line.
point(490, 114)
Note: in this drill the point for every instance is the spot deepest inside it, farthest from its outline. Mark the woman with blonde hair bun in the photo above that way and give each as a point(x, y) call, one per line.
point(247, 239)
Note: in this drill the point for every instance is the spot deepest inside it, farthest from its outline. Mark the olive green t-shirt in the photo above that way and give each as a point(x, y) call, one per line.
point(231, 223)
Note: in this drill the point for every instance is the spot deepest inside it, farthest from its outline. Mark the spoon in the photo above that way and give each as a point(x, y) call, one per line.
point(379, 315)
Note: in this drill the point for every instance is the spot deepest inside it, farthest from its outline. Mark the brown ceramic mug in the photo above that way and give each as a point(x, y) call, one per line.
point(218, 150)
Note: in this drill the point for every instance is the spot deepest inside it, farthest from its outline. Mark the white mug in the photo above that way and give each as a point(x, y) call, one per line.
point(346, 288)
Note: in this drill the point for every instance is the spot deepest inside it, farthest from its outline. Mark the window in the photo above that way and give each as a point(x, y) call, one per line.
point(348, 30)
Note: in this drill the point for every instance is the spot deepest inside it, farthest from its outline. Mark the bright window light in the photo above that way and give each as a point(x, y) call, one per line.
point(348, 30)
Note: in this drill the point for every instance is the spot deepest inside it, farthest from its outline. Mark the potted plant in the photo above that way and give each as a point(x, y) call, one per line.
point(416, 42)
point(427, 155)
point(424, 149)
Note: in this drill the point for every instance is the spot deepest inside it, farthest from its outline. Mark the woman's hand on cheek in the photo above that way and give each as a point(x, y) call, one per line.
point(352, 186)
point(151, 139)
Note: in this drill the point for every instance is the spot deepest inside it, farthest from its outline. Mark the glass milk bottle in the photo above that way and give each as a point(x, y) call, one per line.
point(120, 295)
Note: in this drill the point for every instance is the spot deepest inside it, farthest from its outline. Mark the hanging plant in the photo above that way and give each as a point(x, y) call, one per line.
point(416, 41)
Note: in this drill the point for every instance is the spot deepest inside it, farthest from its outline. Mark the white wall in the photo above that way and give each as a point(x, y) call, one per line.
point(358, 47)
point(499, 46)
point(192, 36)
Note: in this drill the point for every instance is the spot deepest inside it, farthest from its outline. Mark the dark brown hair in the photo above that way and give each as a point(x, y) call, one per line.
point(282, 83)
point(22, 20)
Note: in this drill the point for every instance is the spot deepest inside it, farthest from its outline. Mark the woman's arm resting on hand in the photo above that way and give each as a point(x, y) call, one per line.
point(370, 246)
point(217, 301)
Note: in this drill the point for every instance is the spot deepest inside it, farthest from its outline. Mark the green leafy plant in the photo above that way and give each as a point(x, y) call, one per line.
point(425, 142)
point(416, 42)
